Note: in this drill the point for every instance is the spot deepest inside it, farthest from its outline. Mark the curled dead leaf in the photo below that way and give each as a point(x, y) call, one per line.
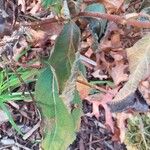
point(118, 73)
point(139, 66)
point(100, 99)
point(112, 5)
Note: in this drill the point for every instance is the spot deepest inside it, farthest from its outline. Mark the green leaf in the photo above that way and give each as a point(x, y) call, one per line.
point(56, 5)
point(62, 133)
point(97, 26)
point(15, 82)
point(64, 53)
point(6, 110)
point(47, 3)
point(14, 97)
point(76, 110)
point(43, 93)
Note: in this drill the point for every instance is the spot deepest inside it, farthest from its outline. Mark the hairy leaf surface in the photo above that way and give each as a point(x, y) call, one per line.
point(58, 123)
point(64, 53)
point(139, 65)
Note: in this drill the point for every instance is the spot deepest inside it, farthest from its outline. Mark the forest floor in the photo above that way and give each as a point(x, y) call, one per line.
point(28, 32)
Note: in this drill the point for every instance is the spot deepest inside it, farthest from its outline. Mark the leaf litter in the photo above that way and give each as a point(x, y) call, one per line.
point(122, 58)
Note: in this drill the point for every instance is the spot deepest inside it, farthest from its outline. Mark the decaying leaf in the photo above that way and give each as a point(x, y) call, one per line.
point(133, 101)
point(121, 118)
point(100, 99)
point(83, 89)
point(98, 74)
point(64, 53)
point(112, 5)
point(118, 73)
point(139, 65)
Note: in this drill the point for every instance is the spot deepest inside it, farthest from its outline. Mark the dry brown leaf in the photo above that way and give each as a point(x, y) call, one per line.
point(22, 3)
point(139, 65)
point(121, 118)
point(115, 40)
point(89, 53)
point(112, 5)
point(117, 56)
point(100, 99)
point(145, 90)
point(83, 89)
point(118, 73)
point(51, 28)
point(36, 7)
point(37, 38)
point(98, 74)
point(18, 50)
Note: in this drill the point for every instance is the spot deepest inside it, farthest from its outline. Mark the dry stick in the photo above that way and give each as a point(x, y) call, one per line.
point(41, 22)
point(115, 18)
point(36, 66)
point(30, 132)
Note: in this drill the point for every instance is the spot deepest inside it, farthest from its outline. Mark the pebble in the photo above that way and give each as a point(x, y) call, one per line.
point(7, 141)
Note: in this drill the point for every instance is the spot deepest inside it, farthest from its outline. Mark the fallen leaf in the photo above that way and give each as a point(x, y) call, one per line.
point(98, 74)
point(89, 53)
point(145, 90)
point(23, 5)
point(121, 118)
point(118, 73)
point(118, 56)
point(36, 38)
point(36, 7)
point(100, 99)
point(18, 50)
point(97, 26)
point(112, 6)
point(115, 40)
point(139, 66)
point(83, 89)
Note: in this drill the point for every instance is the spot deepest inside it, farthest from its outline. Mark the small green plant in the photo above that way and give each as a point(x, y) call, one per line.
point(9, 82)
point(138, 133)
point(54, 5)
point(55, 90)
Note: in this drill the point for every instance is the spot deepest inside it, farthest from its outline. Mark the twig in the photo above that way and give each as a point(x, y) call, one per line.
point(96, 141)
point(87, 60)
point(28, 134)
point(116, 18)
point(21, 146)
point(90, 145)
point(92, 86)
point(41, 22)
point(36, 66)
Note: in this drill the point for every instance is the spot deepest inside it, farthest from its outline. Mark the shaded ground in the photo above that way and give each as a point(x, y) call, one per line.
point(93, 134)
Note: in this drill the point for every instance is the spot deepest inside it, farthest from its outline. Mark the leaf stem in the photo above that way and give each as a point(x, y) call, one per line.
point(92, 86)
